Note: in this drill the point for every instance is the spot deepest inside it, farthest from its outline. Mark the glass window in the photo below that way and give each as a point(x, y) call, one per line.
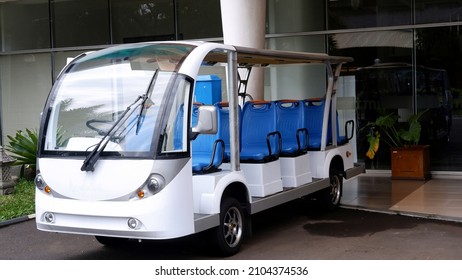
point(199, 19)
point(97, 98)
point(141, 20)
point(24, 25)
point(343, 14)
point(310, 79)
point(116, 95)
point(439, 90)
point(367, 48)
point(384, 80)
point(25, 84)
point(429, 11)
point(295, 16)
point(80, 22)
point(175, 137)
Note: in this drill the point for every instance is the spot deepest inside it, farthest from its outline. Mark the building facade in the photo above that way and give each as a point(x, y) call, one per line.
point(407, 54)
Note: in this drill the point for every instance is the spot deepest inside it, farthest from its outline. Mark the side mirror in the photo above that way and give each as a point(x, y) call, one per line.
point(207, 121)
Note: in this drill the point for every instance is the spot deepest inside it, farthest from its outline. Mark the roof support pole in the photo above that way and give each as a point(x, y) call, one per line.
point(325, 119)
point(233, 110)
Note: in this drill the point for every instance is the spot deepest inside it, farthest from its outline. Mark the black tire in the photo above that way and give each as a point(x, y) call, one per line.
point(228, 236)
point(111, 241)
point(330, 197)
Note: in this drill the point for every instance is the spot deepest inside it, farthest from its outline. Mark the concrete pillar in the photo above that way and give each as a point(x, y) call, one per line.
point(244, 25)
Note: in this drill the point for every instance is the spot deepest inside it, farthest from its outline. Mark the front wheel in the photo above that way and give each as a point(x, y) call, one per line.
point(229, 234)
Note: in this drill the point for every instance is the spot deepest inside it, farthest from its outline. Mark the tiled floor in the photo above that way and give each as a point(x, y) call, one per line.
point(435, 198)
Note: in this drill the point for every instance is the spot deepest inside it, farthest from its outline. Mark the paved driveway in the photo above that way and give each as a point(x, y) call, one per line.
point(292, 231)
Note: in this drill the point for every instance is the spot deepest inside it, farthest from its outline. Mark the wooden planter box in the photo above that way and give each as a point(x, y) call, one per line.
point(411, 162)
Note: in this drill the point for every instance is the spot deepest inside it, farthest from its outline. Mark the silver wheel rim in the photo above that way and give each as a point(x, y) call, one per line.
point(335, 190)
point(232, 227)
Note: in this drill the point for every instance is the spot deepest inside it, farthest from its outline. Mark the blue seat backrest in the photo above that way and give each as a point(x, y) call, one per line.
point(207, 149)
point(223, 112)
point(259, 138)
point(313, 113)
point(313, 116)
point(342, 139)
point(290, 124)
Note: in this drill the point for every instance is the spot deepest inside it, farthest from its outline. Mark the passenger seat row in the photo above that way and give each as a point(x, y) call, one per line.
point(268, 130)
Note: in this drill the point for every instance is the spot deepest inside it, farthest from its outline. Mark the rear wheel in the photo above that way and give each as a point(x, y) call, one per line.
point(229, 234)
point(330, 197)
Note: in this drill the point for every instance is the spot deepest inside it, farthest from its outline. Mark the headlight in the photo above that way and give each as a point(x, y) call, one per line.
point(41, 184)
point(154, 184)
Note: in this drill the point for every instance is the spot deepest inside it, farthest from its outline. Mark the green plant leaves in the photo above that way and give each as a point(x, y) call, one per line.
point(412, 135)
point(23, 147)
point(392, 132)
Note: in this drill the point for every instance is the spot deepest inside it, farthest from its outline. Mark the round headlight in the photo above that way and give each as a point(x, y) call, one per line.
point(154, 184)
point(39, 182)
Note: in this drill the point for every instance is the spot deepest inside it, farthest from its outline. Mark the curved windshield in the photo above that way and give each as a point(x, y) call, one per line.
point(111, 101)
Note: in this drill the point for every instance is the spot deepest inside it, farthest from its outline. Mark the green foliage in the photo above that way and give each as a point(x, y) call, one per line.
point(23, 147)
point(20, 202)
point(387, 129)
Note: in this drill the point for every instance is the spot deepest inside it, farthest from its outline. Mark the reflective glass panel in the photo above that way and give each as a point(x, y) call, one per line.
point(24, 25)
point(383, 77)
point(439, 90)
point(25, 84)
point(343, 14)
point(295, 16)
point(81, 22)
point(429, 11)
point(142, 20)
point(296, 82)
point(199, 19)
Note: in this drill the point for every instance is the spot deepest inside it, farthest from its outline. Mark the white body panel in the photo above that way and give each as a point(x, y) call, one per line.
point(113, 178)
point(263, 179)
point(320, 160)
point(209, 187)
point(296, 171)
point(159, 220)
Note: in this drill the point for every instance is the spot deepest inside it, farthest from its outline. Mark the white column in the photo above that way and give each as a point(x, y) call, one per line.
point(244, 25)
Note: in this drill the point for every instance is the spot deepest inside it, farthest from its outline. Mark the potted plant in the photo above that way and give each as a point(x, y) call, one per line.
point(409, 160)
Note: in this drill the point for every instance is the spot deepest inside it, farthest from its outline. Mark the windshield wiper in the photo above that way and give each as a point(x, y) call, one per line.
point(93, 156)
point(145, 106)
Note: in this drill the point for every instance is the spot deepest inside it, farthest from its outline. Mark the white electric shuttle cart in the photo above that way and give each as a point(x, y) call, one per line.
point(129, 150)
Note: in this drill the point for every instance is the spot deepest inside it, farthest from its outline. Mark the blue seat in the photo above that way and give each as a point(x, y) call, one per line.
point(342, 139)
point(313, 114)
point(207, 149)
point(260, 140)
point(313, 117)
point(290, 125)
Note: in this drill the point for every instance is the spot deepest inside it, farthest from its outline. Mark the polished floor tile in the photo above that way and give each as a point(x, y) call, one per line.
point(435, 198)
